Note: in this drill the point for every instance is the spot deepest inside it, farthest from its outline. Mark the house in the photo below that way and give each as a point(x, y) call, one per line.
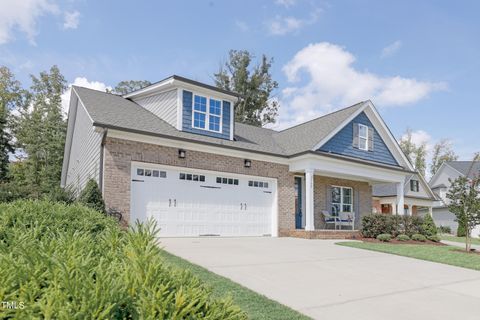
point(417, 193)
point(440, 182)
point(173, 152)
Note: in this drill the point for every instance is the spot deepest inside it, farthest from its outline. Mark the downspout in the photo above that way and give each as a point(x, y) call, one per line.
point(102, 151)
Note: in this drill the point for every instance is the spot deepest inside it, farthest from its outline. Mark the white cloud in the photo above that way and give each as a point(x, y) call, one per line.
point(282, 25)
point(71, 20)
point(420, 137)
point(285, 3)
point(322, 77)
point(23, 15)
point(81, 82)
point(242, 25)
point(391, 49)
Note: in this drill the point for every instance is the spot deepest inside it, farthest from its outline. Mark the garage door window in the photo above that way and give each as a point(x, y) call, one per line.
point(258, 184)
point(191, 177)
point(151, 173)
point(224, 180)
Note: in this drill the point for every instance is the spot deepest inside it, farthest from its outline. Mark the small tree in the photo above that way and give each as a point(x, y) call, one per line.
point(91, 196)
point(428, 226)
point(464, 195)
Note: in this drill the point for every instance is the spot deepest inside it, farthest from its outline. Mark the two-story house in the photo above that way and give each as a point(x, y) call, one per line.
point(173, 152)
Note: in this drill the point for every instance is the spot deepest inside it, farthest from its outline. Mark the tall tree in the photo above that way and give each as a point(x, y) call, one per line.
point(127, 86)
point(41, 131)
point(416, 154)
point(442, 151)
point(11, 96)
point(255, 85)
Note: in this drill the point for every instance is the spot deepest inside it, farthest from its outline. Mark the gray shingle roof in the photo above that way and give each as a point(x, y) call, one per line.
point(386, 189)
point(116, 112)
point(467, 168)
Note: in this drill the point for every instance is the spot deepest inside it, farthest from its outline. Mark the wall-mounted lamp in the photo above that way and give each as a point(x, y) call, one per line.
point(247, 163)
point(182, 153)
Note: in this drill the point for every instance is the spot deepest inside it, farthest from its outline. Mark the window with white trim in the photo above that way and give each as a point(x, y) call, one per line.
point(207, 113)
point(414, 185)
point(362, 137)
point(342, 199)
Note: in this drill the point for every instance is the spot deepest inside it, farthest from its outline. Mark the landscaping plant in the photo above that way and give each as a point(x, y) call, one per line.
point(385, 237)
point(419, 237)
point(71, 262)
point(428, 226)
point(91, 196)
point(403, 237)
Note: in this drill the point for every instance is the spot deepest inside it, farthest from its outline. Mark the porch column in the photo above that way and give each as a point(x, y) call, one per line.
point(309, 224)
point(430, 211)
point(410, 210)
point(400, 198)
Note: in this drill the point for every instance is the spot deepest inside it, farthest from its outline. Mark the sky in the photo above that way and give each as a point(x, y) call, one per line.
point(417, 61)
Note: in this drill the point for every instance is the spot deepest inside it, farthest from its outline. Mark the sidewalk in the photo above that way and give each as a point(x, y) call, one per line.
point(460, 244)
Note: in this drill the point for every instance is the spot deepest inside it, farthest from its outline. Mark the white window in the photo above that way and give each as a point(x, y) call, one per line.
point(362, 137)
point(207, 113)
point(342, 199)
point(414, 185)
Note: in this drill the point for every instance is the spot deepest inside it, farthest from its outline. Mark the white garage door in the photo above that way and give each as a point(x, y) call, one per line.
point(188, 202)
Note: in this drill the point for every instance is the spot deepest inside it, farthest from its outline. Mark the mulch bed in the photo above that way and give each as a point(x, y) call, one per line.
point(395, 241)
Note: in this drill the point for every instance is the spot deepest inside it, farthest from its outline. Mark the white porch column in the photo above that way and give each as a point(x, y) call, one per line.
point(410, 210)
point(309, 224)
point(430, 211)
point(400, 198)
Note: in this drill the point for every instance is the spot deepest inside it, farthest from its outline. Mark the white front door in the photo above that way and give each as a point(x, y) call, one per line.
point(189, 202)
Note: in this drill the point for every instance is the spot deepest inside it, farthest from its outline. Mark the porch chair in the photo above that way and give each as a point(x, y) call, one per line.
point(347, 219)
point(330, 219)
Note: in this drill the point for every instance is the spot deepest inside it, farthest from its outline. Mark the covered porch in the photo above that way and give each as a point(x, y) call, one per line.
point(333, 194)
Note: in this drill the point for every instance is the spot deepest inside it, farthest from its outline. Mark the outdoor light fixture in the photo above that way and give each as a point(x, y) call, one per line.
point(182, 153)
point(247, 163)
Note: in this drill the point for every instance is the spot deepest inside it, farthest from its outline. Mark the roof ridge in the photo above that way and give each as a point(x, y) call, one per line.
point(320, 117)
point(106, 92)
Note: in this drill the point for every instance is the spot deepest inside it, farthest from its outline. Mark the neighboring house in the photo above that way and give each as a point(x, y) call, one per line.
point(440, 183)
point(418, 196)
point(173, 152)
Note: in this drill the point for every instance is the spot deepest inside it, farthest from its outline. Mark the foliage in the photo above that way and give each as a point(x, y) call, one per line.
point(429, 228)
point(419, 237)
point(375, 224)
point(461, 231)
point(385, 237)
point(402, 237)
point(255, 85)
point(434, 238)
point(415, 153)
point(442, 151)
point(127, 86)
point(91, 196)
point(40, 130)
point(71, 262)
point(411, 225)
point(445, 229)
point(464, 196)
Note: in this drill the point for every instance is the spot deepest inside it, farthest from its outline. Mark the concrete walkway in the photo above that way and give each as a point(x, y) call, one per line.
point(460, 245)
point(327, 281)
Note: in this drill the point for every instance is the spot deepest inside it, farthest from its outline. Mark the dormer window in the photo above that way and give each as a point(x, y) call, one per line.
point(363, 137)
point(207, 113)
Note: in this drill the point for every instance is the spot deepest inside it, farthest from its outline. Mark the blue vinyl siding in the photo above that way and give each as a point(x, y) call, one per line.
point(187, 102)
point(341, 144)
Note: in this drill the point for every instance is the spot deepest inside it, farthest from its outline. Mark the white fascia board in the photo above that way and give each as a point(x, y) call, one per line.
point(195, 146)
point(346, 169)
point(71, 119)
point(152, 89)
point(439, 170)
point(179, 110)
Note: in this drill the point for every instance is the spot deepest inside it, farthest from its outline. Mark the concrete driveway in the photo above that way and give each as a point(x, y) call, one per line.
point(326, 281)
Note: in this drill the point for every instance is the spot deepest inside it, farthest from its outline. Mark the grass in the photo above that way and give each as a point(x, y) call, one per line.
point(255, 305)
point(442, 254)
point(458, 239)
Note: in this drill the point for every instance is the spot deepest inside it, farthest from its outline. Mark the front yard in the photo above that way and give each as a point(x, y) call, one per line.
point(458, 239)
point(442, 254)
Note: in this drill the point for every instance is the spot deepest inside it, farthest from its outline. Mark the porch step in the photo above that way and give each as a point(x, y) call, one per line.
point(321, 234)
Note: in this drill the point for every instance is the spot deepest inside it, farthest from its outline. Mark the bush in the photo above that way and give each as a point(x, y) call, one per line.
point(428, 226)
point(412, 225)
point(71, 262)
point(403, 237)
point(445, 229)
point(461, 232)
point(385, 237)
point(91, 196)
point(375, 224)
point(419, 237)
point(434, 238)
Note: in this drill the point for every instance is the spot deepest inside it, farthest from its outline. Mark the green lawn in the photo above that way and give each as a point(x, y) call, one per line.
point(458, 239)
point(255, 305)
point(441, 254)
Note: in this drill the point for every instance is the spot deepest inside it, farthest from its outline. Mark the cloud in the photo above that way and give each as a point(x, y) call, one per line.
point(282, 25)
point(391, 49)
point(242, 25)
point(322, 78)
point(71, 20)
point(23, 15)
point(81, 82)
point(420, 137)
point(286, 3)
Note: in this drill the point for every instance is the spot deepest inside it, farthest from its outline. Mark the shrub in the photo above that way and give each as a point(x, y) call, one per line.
point(91, 196)
point(445, 229)
point(403, 237)
point(428, 226)
point(461, 232)
point(434, 238)
point(72, 262)
point(412, 225)
point(385, 237)
point(375, 224)
point(418, 237)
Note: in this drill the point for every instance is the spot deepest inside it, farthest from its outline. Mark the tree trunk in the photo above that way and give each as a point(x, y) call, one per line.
point(467, 238)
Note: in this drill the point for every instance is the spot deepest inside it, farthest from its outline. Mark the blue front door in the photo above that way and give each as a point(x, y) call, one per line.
point(298, 203)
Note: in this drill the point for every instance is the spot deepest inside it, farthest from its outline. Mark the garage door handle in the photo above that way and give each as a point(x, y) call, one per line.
point(241, 206)
point(245, 206)
point(175, 202)
point(169, 202)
